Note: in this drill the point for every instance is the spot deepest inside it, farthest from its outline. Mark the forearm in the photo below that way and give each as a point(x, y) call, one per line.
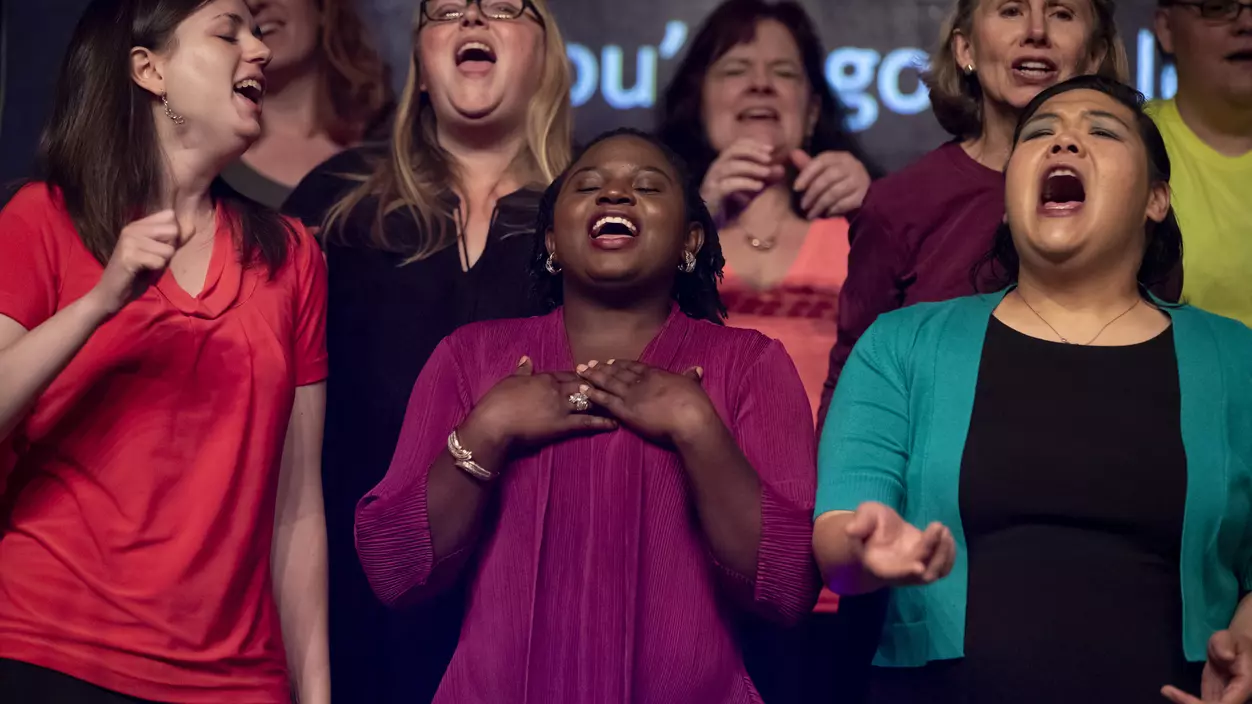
point(727, 495)
point(837, 557)
point(415, 530)
point(299, 575)
point(32, 361)
point(455, 499)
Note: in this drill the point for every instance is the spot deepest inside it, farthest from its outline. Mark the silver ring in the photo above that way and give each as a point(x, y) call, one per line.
point(579, 401)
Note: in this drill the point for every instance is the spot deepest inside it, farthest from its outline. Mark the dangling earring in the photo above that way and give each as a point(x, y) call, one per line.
point(689, 263)
point(969, 69)
point(551, 265)
point(169, 112)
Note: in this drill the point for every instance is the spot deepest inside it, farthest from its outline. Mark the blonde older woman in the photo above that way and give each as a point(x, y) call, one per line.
point(425, 234)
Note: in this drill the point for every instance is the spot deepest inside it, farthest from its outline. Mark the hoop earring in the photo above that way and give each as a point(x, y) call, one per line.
point(551, 265)
point(169, 112)
point(689, 263)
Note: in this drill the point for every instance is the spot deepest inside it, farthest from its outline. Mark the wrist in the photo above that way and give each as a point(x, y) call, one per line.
point(93, 308)
point(696, 425)
point(485, 439)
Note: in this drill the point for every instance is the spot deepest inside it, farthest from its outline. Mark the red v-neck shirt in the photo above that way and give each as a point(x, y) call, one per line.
point(138, 512)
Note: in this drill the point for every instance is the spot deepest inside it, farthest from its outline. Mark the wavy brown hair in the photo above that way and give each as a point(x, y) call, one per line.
point(417, 175)
point(956, 98)
point(357, 81)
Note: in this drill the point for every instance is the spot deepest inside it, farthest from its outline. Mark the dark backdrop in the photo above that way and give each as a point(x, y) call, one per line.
point(623, 52)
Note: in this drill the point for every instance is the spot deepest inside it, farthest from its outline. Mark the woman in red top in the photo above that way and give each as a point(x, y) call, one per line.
point(161, 396)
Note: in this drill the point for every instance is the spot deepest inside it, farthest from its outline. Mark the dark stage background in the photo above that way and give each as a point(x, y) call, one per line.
point(623, 52)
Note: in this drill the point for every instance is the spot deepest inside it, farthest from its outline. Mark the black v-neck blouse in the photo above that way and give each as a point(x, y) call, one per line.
point(384, 318)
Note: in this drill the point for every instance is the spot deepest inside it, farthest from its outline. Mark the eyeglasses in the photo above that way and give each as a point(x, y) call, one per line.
point(454, 10)
point(1216, 10)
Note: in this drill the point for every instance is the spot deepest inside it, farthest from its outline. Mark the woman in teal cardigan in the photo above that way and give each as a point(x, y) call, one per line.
point(1055, 480)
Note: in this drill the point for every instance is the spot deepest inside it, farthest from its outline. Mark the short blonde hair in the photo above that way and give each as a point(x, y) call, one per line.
point(417, 173)
point(956, 97)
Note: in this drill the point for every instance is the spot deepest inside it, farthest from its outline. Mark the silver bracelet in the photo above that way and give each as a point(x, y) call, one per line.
point(465, 460)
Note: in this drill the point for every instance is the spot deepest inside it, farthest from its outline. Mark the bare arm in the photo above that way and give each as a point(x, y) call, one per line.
point(298, 555)
point(31, 360)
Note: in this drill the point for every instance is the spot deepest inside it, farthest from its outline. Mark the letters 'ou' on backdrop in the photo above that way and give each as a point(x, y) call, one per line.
point(623, 52)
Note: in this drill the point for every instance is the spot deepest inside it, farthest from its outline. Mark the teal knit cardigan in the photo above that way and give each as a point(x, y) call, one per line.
point(896, 433)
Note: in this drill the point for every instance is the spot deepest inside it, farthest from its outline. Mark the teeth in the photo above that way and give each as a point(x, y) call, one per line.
point(249, 83)
point(1063, 172)
point(475, 45)
point(1034, 66)
point(614, 219)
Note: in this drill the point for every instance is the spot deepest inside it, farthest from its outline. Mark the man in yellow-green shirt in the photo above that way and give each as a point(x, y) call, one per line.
point(1207, 128)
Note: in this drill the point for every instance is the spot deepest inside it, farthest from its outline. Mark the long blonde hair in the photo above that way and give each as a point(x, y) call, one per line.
point(417, 174)
point(956, 98)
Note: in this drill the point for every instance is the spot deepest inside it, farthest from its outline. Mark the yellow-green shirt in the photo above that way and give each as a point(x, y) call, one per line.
point(1212, 198)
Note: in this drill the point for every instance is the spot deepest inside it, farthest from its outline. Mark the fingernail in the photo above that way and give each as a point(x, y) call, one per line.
point(700, 372)
point(522, 362)
point(583, 388)
point(592, 363)
point(610, 361)
point(581, 368)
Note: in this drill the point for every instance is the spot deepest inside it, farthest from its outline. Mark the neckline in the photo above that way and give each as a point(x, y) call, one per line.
point(659, 351)
point(731, 278)
point(221, 283)
point(962, 161)
point(1031, 339)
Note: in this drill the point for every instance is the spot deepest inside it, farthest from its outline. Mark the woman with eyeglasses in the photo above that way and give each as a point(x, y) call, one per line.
point(422, 235)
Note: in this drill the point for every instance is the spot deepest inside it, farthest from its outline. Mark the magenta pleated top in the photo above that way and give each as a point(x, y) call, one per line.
point(591, 578)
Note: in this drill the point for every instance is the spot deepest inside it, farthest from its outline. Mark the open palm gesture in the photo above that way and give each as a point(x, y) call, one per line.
point(897, 552)
point(1227, 675)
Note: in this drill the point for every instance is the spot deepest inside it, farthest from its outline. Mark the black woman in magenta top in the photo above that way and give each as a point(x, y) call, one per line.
point(161, 365)
point(422, 235)
point(1053, 481)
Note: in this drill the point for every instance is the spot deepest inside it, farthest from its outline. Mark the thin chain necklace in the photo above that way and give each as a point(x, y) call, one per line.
point(1063, 338)
point(764, 244)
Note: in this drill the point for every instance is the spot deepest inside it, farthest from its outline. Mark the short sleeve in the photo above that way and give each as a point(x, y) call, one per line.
point(29, 265)
point(310, 320)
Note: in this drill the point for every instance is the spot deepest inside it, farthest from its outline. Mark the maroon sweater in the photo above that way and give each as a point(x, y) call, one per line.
point(916, 238)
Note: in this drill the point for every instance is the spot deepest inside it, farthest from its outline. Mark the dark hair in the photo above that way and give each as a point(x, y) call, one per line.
point(680, 121)
point(695, 293)
point(999, 267)
point(99, 148)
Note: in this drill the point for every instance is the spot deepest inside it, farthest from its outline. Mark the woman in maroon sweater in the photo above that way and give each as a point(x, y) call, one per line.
point(921, 230)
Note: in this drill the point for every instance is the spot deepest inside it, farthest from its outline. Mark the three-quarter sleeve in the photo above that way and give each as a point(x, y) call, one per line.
point(876, 259)
point(864, 448)
point(770, 425)
point(393, 538)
